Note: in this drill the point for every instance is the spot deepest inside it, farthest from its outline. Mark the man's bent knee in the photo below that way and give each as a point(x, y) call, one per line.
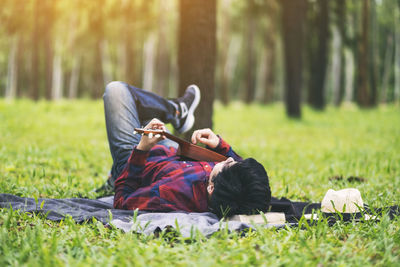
point(115, 89)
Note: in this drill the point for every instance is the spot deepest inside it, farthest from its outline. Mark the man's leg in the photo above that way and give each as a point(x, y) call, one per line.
point(126, 108)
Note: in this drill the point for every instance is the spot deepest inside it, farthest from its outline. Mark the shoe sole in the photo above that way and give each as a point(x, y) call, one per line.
point(190, 117)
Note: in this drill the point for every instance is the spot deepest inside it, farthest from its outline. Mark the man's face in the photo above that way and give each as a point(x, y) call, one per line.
point(217, 169)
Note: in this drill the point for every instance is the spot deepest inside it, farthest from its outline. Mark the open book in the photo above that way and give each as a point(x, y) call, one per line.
point(269, 217)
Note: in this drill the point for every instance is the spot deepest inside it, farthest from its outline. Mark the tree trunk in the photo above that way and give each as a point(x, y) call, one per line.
point(230, 67)
point(129, 70)
point(23, 69)
point(162, 66)
point(293, 14)
point(141, 36)
point(148, 64)
point(224, 43)
point(387, 68)
point(339, 75)
point(250, 53)
point(74, 79)
point(57, 79)
point(316, 95)
point(130, 44)
point(97, 30)
point(363, 97)
point(270, 50)
point(337, 65)
point(374, 62)
point(97, 75)
point(197, 53)
point(48, 10)
point(397, 56)
point(35, 69)
point(351, 52)
point(349, 81)
point(106, 63)
point(48, 66)
point(73, 73)
point(12, 70)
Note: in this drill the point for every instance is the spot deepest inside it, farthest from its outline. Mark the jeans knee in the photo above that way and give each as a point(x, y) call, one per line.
point(115, 89)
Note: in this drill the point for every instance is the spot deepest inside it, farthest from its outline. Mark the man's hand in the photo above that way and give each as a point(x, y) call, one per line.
point(147, 143)
point(205, 136)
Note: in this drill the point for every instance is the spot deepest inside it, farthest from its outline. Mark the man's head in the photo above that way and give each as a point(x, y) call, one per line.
point(238, 187)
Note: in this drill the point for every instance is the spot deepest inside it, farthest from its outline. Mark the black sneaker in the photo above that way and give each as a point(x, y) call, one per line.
point(187, 104)
point(107, 189)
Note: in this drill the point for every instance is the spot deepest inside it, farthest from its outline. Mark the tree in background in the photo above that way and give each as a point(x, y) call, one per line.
point(231, 57)
point(338, 46)
point(270, 38)
point(317, 56)
point(35, 67)
point(96, 27)
point(224, 43)
point(14, 27)
point(197, 53)
point(73, 48)
point(397, 55)
point(129, 46)
point(374, 61)
point(251, 14)
point(293, 17)
point(48, 15)
point(388, 17)
point(42, 50)
point(363, 86)
point(146, 49)
point(163, 56)
point(47, 46)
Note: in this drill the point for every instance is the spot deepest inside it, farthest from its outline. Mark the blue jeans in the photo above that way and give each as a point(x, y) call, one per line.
point(127, 107)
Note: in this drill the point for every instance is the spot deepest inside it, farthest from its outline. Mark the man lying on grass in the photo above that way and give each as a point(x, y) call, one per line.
point(148, 174)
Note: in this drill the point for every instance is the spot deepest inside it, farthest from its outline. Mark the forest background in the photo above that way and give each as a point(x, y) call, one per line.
point(305, 51)
point(328, 62)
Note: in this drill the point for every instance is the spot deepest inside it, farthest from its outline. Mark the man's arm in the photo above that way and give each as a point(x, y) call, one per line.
point(133, 176)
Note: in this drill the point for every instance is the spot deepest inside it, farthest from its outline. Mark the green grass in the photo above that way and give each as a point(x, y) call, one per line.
point(60, 150)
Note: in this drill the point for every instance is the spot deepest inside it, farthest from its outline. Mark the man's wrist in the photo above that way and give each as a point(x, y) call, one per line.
point(217, 145)
point(143, 147)
point(138, 157)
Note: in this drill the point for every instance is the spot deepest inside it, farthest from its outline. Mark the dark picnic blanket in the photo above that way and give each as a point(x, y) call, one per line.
point(83, 209)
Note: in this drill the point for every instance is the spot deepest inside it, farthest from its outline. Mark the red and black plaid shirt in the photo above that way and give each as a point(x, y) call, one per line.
point(159, 180)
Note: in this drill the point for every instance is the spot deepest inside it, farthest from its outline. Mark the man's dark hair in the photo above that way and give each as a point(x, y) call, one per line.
point(242, 188)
